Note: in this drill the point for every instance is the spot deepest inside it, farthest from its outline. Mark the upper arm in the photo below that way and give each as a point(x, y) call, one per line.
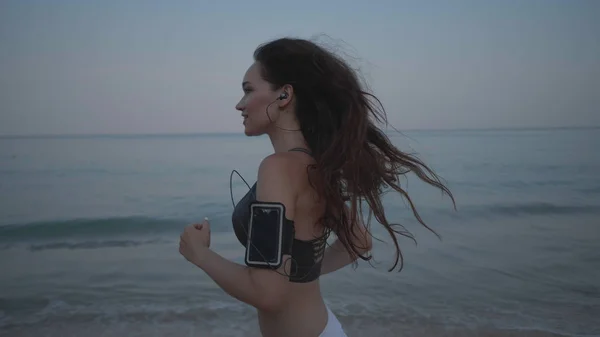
point(275, 184)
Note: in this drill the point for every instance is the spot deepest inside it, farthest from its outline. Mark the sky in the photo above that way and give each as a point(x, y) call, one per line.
point(140, 67)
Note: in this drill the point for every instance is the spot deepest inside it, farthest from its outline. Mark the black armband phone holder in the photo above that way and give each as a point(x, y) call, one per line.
point(270, 235)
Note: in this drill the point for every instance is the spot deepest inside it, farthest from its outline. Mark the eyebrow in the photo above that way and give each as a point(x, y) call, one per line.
point(244, 83)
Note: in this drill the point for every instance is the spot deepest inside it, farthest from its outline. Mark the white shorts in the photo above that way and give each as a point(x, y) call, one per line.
point(333, 327)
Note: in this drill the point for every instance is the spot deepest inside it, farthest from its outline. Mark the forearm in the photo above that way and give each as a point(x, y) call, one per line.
point(336, 257)
point(235, 279)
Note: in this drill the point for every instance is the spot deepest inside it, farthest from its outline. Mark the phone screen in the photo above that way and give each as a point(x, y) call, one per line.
point(265, 238)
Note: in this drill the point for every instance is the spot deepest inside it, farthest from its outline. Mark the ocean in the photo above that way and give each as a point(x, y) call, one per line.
point(89, 231)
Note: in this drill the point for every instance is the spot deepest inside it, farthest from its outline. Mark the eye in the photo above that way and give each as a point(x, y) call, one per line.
point(247, 90)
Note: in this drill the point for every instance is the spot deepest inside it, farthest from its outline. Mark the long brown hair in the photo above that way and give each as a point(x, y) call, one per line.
point(355, 159)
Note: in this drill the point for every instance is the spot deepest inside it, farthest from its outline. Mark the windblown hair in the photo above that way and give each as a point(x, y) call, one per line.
point(355, 160)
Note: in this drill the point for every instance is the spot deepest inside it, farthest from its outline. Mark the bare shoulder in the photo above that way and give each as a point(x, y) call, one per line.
point(276, 163)
point(285, 165)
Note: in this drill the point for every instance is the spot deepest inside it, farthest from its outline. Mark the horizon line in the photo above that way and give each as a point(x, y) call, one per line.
point(230, 133)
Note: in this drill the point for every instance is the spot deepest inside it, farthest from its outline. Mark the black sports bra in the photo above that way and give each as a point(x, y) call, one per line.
point(307, 255)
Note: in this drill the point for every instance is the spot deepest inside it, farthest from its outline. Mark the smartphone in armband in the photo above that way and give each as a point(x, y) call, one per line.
point(265, 235)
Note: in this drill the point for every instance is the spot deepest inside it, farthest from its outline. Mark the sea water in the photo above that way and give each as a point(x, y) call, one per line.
point(89, 231)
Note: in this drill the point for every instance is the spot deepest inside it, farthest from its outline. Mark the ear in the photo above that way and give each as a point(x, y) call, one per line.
point(289, 90)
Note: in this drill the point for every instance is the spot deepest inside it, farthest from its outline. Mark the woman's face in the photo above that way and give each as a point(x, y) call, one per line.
point(253, 105)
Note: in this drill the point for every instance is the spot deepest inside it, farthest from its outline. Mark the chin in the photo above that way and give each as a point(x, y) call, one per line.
point(253, 132)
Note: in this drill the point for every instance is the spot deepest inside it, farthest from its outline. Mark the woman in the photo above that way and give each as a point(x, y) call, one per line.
point(328, 157)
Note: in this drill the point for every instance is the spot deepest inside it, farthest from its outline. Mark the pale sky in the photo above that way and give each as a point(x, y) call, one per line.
point(80, 67)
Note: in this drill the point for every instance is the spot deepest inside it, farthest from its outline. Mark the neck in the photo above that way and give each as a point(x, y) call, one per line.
point(283, 141)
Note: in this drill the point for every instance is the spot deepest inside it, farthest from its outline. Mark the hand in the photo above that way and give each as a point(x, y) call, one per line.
point(194, 240)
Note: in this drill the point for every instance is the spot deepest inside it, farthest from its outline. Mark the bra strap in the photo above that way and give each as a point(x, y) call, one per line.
point(300, 149)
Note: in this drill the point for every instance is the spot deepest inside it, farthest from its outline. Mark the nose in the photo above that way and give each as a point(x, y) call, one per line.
point(239, 106)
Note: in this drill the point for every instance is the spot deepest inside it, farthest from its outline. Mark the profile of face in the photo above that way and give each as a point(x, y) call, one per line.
point(258, 94)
